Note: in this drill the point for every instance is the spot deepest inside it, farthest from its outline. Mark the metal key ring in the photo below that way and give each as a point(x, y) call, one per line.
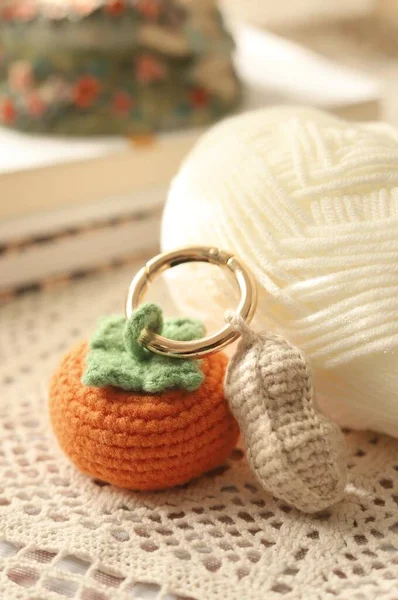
point(211, 343)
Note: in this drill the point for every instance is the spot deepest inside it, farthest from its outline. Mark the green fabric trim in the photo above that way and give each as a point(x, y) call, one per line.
point(116, 359)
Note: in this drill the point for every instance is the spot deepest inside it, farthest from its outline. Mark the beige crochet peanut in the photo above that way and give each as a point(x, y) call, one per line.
point(296, 452)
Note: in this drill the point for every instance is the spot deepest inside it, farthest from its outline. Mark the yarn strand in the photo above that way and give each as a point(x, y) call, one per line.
point(310, 203)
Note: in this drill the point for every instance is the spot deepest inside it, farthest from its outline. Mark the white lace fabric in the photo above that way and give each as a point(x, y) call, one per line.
point(64, 535)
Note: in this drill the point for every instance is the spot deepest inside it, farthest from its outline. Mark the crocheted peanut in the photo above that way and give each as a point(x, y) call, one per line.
point(139, 440)
point(296, 453)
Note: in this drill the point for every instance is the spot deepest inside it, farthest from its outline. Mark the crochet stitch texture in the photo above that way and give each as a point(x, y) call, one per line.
point(221, 537)
point(295, 451)
point(142, 441)
point(116, 358)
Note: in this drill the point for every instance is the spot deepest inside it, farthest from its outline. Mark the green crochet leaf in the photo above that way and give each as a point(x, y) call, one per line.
point(116, 359)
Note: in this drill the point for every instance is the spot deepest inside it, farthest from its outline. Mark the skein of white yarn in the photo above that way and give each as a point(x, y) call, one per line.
point(310, 203)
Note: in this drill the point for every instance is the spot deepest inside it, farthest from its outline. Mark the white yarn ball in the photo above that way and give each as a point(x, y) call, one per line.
point(310, 203)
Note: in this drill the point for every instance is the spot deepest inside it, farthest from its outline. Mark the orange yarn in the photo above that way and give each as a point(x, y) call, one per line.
point(142, 441)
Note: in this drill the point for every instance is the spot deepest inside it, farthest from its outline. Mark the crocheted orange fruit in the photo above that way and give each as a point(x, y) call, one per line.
point(142, 441)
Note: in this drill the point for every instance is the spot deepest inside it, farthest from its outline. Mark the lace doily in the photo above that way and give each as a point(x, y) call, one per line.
point(63, 535)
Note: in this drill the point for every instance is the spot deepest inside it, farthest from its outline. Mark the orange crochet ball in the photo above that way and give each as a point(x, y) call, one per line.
point(142, 441)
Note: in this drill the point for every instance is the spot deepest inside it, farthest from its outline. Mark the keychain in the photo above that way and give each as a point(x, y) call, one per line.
point(149, 404)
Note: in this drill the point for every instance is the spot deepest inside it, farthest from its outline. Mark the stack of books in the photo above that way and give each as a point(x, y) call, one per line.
point(68, 206)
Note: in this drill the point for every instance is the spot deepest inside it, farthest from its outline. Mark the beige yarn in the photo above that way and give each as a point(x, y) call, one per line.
point(296, 452)
point(64, 535)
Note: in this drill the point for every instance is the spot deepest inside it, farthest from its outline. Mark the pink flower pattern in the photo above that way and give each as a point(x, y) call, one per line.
point(8, 111)
point(148, 8)
point(23, 10)
point(20, 76)
point(36, 105)
point(86, 90)
point(122, 103)
point(150, 69)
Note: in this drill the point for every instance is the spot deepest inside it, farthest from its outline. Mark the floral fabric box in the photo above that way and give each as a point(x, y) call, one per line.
point(114, 66)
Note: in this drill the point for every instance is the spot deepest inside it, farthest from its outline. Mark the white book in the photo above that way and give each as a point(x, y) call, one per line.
point(45, 173)
point(79, 248)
